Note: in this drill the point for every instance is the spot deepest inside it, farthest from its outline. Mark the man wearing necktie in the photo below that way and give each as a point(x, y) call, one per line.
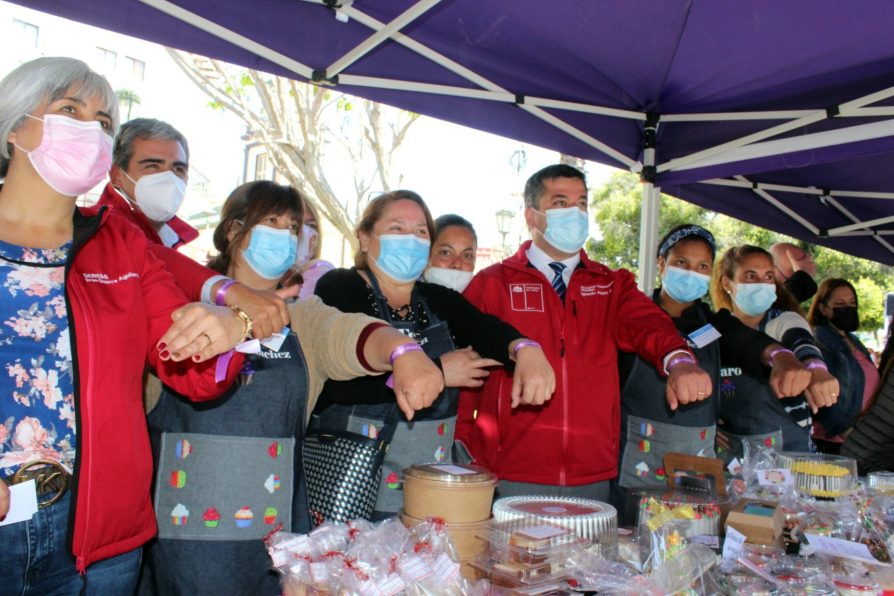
point(582, 313)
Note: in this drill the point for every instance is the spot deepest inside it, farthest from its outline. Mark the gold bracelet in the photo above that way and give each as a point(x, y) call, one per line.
point(246, 320)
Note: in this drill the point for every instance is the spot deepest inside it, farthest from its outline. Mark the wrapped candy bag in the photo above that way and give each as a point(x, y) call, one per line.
point(368, 559)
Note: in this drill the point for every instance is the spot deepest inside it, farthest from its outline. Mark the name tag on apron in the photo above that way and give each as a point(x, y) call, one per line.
point(213, 487)
point(704, 336)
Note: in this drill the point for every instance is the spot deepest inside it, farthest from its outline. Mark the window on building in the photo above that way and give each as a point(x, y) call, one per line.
point(135, 68)
point(27, 34)
point(107, 59)
point(262, 167)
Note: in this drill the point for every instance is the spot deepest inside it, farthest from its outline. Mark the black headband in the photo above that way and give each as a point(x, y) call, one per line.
point(687, 232)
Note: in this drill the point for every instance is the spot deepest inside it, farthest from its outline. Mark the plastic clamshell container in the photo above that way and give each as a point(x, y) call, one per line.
point(530, 541)
point(499, 566)
point(820, 474)
point(455, 492)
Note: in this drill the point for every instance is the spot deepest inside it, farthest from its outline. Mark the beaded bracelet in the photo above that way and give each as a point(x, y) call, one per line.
point(246, 320)
point(524, 343)
point(403, 349)
point(817, 365)
point(222, 292)
point(776, 352)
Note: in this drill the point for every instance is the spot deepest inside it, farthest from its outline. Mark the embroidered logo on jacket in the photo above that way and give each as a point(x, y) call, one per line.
point(526, 297)
point(103, 278)
point(596, 290)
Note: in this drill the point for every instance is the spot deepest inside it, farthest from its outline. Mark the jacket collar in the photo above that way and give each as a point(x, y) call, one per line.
point(87, 222)
point(520, 261)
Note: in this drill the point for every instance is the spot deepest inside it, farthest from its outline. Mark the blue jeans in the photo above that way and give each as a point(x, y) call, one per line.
point(35, 559)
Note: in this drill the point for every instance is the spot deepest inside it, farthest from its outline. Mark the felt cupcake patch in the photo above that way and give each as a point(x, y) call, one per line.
point(179, 515)
point(272, 483)
point(177, 479)
point(183, 449)
point(211, 517)
point(244, 517)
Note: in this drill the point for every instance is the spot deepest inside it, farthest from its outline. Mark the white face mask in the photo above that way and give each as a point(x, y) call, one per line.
point(307, 236)
point(455, 279)
point(159, 195)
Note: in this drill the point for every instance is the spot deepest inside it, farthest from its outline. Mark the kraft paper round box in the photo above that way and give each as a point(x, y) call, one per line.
point(456, 493)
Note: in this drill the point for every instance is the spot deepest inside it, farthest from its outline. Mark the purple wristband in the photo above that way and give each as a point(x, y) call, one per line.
point(817, 364)
point(775, 352)
point(401, 350)
point(524, 343)
point(678, 359)
point(222, 292)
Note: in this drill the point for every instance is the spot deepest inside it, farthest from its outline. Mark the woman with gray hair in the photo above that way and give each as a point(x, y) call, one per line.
point(78, 327)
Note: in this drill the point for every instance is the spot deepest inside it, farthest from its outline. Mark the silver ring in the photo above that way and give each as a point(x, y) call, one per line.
point(700, 393)
point(206, 336)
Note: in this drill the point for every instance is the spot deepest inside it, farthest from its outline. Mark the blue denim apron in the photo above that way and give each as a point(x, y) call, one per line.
point(428, 437)
point(650, 429)
point(749, 411)
point(228, 472)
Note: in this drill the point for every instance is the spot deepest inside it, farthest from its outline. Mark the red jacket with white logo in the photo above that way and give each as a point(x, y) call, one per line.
point(185, 232)
point(573, 438)
point(119, 298)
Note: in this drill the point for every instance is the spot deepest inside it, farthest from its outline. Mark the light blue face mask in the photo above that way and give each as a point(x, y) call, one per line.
point(566, 229)
point(402, 257)
point(683, 285)
point(270, 251)
point(755, 299)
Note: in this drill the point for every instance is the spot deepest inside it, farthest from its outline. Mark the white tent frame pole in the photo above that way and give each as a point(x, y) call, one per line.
point(579, 134)
point(865, 233)
point(782, 207)
point(648, 237)
point(234, 38)
point(861, 225)
point(775, 130)
point(381, 35)
point(494, 91)
point(771, 115)
point(840, 136)
point(846, 212)
point(650, 210)
point(810, 190)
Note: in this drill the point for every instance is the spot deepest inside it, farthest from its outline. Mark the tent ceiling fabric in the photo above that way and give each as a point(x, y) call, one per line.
point(580, 77)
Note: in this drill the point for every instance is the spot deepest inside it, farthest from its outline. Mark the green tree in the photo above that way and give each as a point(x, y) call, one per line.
point(871, 297)
point(616, 209)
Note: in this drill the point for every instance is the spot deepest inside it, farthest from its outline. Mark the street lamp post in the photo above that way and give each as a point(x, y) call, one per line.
point(504, 222)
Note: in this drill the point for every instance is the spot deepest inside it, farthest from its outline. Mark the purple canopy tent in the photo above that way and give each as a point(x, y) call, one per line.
point(778, 113)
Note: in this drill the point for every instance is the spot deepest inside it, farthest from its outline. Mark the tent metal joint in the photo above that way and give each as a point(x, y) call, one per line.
point(319, 76)
point(519, 99)
point(833, 111)
point(648, 174)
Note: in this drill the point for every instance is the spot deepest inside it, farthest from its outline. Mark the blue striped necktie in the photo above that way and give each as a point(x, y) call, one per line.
point(558, 282)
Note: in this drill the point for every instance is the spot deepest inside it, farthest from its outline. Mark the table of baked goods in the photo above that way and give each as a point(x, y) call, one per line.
point(782, 523)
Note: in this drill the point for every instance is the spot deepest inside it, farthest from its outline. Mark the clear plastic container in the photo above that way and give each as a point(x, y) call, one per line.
point(880, 483)
point(500, 568)
point(856, 585)
point(821, 475)
point(529, 541)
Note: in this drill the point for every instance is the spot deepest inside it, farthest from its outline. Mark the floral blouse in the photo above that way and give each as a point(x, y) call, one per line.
point(37, 418)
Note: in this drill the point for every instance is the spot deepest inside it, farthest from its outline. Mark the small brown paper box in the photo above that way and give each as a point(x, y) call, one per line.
point(760, 522)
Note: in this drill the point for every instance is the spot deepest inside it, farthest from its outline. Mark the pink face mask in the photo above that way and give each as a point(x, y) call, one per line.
point(73, 156)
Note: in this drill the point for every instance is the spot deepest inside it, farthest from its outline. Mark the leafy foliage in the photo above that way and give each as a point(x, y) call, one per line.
point(617, 208)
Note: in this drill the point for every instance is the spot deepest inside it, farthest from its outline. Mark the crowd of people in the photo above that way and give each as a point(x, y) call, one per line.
point(146, 393)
